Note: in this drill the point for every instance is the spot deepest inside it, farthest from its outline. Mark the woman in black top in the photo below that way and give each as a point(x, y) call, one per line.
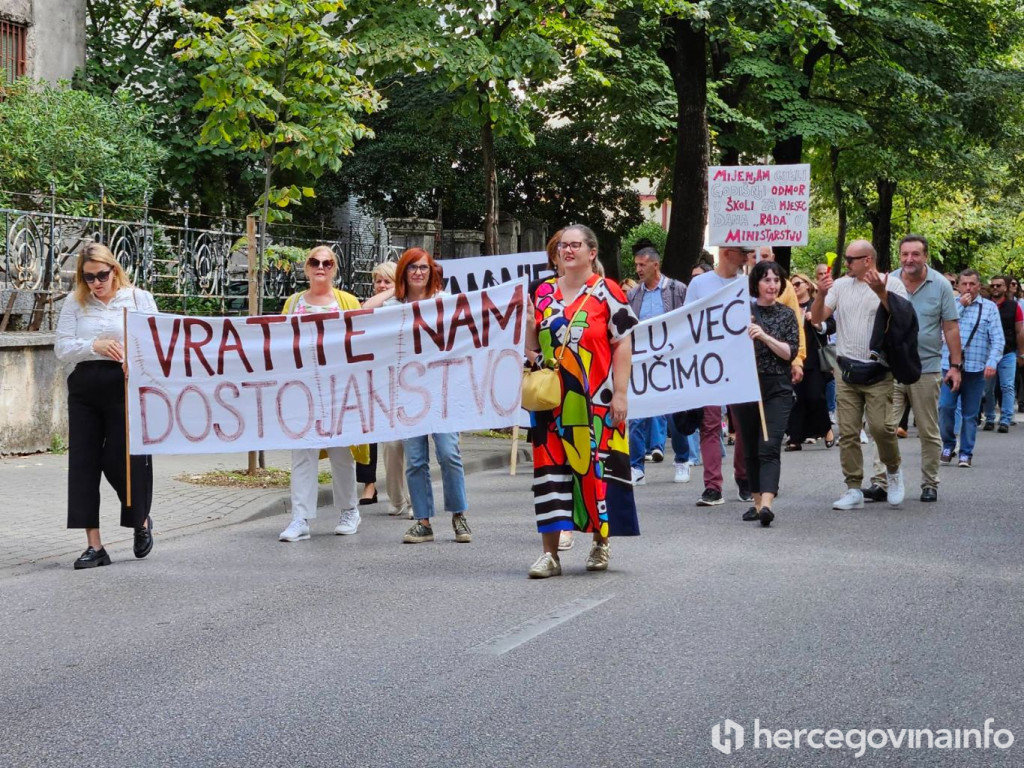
point(809, 417)
point(776, 339)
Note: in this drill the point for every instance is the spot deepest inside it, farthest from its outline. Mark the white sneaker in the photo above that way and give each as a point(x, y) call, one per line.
point(403, 512)
point(297, 530)
point(863, 437)
point(894, 483)
point(682, 473)
point(348, 522)
point(852, 499)
point(638, 476)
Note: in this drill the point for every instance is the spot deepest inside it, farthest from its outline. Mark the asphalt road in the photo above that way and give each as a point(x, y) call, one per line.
point(228, 648)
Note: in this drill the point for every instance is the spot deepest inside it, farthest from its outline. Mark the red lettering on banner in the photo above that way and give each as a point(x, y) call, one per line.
point(403, 415)
point(462, 316)
point(514, 306)
point(232, 436)
point(319, 318)
point(295, 434)
point(517, 363)
point(208, 424)
point(191, 345)
point(147, 439)
point(350, 332)
point(165, 359)
point(387, 408)
point(264, 321)
point(259, 386)
point(351, 386)
point(479, 387)
point(235, 346)
point(296, 351)
point(445, 366)
point(418, 323)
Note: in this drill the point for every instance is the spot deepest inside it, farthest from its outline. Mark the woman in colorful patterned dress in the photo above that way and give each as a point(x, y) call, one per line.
point(581, 445)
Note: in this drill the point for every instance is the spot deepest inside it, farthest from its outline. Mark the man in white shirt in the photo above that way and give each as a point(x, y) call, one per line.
point(856, 297)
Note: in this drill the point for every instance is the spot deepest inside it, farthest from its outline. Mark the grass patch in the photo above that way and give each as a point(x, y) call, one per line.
point(505, 433)
point(271, 477)
point(57, 445)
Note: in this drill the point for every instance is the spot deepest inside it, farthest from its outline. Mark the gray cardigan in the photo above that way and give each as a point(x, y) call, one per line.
point(673, 293)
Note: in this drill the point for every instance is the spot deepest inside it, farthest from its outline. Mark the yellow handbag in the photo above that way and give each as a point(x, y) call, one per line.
point(542, 388)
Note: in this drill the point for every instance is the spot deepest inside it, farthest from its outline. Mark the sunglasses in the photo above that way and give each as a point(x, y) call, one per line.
point(851, 259)
point(93, 277)
point(797, 283)
point(317, 263)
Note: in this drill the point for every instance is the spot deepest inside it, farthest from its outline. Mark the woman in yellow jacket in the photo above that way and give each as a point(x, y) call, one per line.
point(321, 268)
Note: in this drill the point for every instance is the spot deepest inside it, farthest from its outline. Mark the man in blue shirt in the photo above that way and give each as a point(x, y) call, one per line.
point(655, 294)
point(982, 334)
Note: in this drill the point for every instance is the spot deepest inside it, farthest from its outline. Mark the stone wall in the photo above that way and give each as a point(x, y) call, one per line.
point(33, 394)
point(55, 45)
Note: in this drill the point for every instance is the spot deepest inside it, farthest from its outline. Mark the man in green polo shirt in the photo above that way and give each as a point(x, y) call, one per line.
point(935, 304)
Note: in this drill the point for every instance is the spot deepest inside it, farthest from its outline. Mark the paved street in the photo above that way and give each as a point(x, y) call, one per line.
point(228, 648)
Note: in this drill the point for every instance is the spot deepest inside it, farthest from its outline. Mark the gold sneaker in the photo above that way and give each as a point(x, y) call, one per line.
point(564, 541)
point(545, 566)
point(597, 560)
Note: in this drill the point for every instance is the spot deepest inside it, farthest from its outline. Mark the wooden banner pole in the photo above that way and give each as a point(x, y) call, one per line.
point(254, 309)
point(515, 449)
point(764, 426)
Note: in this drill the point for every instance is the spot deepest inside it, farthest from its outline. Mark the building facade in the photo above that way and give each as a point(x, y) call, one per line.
point(43, 39)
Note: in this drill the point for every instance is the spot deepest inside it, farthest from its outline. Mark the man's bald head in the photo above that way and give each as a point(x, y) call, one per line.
point(860, 257)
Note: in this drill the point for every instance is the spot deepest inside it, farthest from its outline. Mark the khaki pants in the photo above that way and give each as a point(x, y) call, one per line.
point(924, 402)
point(854, 404)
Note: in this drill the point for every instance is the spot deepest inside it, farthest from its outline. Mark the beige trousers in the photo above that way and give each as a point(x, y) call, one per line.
point(856, 403)
point(394, 474)
point(923, 397)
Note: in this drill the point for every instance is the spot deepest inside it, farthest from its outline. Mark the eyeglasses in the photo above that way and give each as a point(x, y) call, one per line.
point(418, 268)
point(316, 263)
point(570, 246)
point(851, 259)
point(93, 277)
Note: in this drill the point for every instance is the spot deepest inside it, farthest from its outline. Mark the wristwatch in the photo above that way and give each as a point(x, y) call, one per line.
point(958, 366)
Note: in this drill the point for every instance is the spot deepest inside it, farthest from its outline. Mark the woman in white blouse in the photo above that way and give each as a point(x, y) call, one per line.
point(90, 344)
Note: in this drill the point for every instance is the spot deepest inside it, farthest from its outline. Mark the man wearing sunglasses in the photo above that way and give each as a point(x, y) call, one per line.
point(855, 299)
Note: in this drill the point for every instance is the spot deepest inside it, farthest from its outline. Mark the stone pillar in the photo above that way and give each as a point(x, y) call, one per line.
point(413, 233)
point(467, 242)
point(508, 234)
point(534, 236)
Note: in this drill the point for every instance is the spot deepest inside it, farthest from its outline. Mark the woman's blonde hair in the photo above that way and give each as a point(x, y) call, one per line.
point(320, 251)
point(811, 287)
point(99, 253)
point(385, 269)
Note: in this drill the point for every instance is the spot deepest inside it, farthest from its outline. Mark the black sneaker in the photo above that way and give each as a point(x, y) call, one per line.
point(989, 426)
point(710, 498)
point(1004, 428)
point(874, 493)
point(750, 515)
point(657, 455)
point(929, 494)
point(743, 491)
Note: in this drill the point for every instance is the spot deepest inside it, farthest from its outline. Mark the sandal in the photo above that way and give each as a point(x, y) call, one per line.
point(793, 447)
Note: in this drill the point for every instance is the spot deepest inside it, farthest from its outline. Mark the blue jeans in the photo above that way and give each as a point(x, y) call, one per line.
point(1006, 372)
point(680, 443)
point(830, 394)
point(694, 446)
point(417, 474)
point(972, 385)
point(646, 435)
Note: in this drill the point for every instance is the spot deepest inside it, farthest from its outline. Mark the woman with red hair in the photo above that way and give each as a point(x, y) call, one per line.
point(418, 277)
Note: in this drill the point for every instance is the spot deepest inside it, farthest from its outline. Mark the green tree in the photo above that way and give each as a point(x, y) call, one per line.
point(281, 81)
point(78, 142)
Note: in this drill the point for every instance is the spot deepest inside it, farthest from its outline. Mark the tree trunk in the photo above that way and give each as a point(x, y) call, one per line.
point(840, 200)
point(881, 227)
point(787, 151)
point(490, 246)
point(684, 52)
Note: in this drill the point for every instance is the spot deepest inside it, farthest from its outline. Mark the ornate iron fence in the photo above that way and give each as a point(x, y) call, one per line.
point(190, 269)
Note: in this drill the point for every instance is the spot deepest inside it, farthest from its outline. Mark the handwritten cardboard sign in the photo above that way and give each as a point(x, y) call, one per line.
point(759, 204)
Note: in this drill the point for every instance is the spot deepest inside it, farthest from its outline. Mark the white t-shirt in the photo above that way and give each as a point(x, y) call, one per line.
point(855, 306)
point(706, 284)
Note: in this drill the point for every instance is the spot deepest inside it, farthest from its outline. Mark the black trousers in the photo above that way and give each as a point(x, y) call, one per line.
point(96, 447)
point(367, 473)
point(762, 457)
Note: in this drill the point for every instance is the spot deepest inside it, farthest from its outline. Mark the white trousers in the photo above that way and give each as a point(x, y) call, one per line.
point(305, 486)
point(394, 473)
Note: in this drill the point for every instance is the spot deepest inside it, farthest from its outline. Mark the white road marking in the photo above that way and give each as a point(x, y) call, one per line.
point(537, 626)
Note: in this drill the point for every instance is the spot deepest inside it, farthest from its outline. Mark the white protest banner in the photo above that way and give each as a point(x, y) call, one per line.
point(479, 272)
point(204, 385)
point(758, 204)
point(694, 356)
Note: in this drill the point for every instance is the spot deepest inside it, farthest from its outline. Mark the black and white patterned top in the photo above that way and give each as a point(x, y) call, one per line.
point(779, 322)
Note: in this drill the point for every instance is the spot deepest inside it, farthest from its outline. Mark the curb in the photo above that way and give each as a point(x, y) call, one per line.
point(325, 496)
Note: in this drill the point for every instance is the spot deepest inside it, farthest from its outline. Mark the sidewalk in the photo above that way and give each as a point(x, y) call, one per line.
point(33, 507)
